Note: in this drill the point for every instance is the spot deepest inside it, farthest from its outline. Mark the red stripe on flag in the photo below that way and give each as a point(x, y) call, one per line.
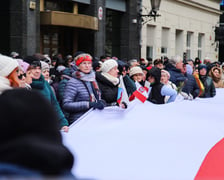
point(212, 166)
point(140, 96)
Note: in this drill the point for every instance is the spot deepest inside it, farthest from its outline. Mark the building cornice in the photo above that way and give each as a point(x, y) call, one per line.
point(200, 6)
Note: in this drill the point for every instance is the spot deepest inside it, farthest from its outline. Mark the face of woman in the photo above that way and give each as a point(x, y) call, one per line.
point(29, 77)
point(21, 77)
point(114, 72)
point(164, 78)
point(138, 77)
point(151, 79)
point(203, 72)
point(85, 67)
point(46, 74)
point(216, 73)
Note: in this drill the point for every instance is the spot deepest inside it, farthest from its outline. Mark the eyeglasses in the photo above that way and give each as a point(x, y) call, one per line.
point(21, 76)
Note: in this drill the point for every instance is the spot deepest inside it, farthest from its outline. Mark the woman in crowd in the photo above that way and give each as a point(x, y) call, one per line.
point(8, 73)
point(39, 84)
point(216, 74)
point(208, 85)
point(159, 91)
point(165, 76)
point(45, 70)
point(109, 83)
point(81, 92)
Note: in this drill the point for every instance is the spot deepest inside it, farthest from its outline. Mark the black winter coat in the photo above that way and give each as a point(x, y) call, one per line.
point(109, 91)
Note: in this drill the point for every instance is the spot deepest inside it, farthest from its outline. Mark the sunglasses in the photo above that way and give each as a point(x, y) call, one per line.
point(21, 76)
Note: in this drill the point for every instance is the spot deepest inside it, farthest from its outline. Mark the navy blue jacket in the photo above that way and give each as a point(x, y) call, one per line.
point(191, 86)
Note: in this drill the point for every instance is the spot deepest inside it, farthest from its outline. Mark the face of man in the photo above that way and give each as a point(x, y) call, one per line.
point(179, 65)
point(36, 71)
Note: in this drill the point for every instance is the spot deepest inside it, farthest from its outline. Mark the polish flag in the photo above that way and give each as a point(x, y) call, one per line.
point(141, 93)
point(212, 166)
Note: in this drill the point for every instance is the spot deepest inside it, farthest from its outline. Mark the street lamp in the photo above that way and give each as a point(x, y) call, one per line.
point(155, 4)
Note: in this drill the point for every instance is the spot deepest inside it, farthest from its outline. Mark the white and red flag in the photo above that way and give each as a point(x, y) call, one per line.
point(141, 92)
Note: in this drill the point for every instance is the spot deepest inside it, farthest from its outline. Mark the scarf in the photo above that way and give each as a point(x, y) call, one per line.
point(38, 83)
point(112, 79)
point(85, 77)
point(93, 89)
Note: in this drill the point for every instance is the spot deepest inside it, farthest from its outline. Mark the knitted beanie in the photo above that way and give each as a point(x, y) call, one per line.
point(23, 65)
point(108, 65)
point(135, 70)
point(44, 66)
point(7, 65)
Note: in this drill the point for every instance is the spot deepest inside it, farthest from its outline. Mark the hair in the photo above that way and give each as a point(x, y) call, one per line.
point(175, 59)
point(14, 81)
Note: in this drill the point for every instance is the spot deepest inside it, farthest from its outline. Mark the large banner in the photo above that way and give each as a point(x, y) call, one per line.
point(146, 141)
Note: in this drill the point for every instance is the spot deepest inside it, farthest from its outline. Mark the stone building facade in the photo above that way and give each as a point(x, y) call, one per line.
point(184, 28)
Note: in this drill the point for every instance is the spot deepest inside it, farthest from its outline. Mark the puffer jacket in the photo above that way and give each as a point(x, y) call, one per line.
point(191, 86)
point(176, 76)
point(76, 99)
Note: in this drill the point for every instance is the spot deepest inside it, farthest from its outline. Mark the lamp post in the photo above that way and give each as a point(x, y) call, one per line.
point(155, 4)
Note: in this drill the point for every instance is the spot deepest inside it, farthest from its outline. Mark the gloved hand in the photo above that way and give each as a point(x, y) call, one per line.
point(123, 105)
point(185, 95)
point(190, 97)
point(97, 105)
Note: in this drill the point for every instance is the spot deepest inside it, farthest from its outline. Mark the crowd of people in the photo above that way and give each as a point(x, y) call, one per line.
point(75, 84)
point(67, 87)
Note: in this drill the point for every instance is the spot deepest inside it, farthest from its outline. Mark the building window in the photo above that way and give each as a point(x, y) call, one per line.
point(200, 44)
point(150, 42)
point(189, 43)
point(179, 42)
point(165, 41)
point(149, 51)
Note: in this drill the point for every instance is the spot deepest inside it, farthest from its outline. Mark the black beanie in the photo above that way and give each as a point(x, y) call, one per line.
point(32, 60)
point(29, 135)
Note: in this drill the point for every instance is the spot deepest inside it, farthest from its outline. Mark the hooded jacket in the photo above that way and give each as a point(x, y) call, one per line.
point(155, 95)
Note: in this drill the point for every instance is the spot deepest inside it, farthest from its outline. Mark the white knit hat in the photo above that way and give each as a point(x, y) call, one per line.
point(7, 65)
point(108, 65)
point(135, 70)
point(44, 66)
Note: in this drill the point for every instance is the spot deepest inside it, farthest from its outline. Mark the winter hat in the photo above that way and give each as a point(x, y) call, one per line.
point(201, 66)
point(108, 65)
point(7, 65)
point(32, 60)
point(135, 70)
point(60, 68)
point(44, 66)
point(14, 54)
point(82, 57)
point(23, 65)
point(189, 69)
